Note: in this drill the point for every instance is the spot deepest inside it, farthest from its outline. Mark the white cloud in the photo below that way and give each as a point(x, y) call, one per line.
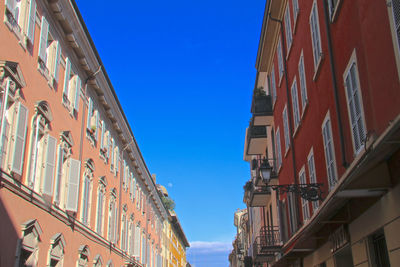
point(169, 184)
point(200, 247)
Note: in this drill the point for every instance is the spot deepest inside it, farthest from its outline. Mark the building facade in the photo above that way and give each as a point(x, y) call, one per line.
point(74, 189)
point(326, 105)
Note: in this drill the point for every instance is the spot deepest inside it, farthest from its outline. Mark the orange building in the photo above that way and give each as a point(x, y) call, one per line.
point(74, 188)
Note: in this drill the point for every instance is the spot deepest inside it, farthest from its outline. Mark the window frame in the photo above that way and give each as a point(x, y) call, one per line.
point(332, 181)
point(317, 61)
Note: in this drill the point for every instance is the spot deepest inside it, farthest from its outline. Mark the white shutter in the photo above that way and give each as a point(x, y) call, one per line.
point(67, 77)
point(117, 159)
point(44, 32)
point(112, 155)
point(30, 29)
point(3, 130)
point(89, 113)
point(73, 185)
point(108, 144)
point(60, 160)
point(124, 175)
point(19, 139)
point(10, 4)
point(115, 224)
point(57, 61)
point(49, 166)
point(303, 87)
point(136, 247)
point(77, 93)
point(102, 135)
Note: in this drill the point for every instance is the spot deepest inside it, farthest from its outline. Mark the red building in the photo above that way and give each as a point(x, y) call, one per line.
point(331, 68)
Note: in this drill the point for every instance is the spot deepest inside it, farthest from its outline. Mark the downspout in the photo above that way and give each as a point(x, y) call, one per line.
point(290, 111)
point(334, 83)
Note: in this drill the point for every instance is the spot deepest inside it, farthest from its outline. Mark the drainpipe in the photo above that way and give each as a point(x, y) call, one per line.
point(290, 111)
point(334, 84)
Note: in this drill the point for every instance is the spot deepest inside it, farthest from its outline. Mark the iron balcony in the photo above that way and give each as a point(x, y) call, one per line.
point(267, 244)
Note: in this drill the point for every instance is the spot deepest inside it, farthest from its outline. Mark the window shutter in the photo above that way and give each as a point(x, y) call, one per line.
point(67, 77)
point(73, 185)
point(115, 224)
point(136, 247)
point(77, 93)
point(124, 175)
point(57, 61)
point(10, 4)
point(30, 29)
point(117, 159)
point(396, 16)
point(112, 155)
point(49, 166)
point(44, 32)
point(108, 144)
point(19, 139)
point(89, 113)
point(3, 130)
point(60, 160)
point(102, 135)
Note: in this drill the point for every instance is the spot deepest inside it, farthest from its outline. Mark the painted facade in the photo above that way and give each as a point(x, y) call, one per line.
point(74, 189)
point(329, 73)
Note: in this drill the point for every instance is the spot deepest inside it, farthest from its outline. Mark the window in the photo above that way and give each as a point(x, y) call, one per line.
point(71, 89)
point(83, 258)
point(56, 253)
point(104, 141)
point(92, 122)
point(132, 187)
point(101, 191)
point(144, 245)
point(278, 149)
point(273, 83)
point(126, 176)
point(280, 59)
point(20, 17)
point(87, 191)
point(313, 176)
point(98, 261)
point(288, 28)
point(293, 218)
point(304, 203)
point(286, 128)
point(295, 104)
point(42, 152)
point(124, 229)
point(329, 152)
point(396, 21)
point(315, 35)
point(378, 249)
point(28, 249)
point(332, 5)
point(354, 105)
point(63, 156)
point(303, 85)
point(14, 116)
point(112, 217)
point(49, 53)
point(296, 10)
point(131, 236)
point(114, 158)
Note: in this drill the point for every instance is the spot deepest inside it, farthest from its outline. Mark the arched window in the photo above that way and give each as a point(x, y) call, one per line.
point(56, 252)
point(112, 217)
point(28, 250)
point(14, 116)
point(63, 156)
point(83, 258)
point(42, 151)
point(87, 191)
point(101, 197)
point(97, 261)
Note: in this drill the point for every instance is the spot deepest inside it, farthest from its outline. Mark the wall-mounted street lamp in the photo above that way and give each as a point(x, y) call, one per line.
point(265, 170)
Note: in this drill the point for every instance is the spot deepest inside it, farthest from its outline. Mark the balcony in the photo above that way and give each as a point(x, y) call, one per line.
point(256, 196)
point(261, 108)
point(256, 139)
point(258, 166)
point(266, 245)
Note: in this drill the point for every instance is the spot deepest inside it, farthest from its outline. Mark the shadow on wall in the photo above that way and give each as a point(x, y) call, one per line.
point(8, 237)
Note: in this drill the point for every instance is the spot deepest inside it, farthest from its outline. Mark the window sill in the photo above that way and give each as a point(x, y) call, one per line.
point(335, 12)
point(318, 67)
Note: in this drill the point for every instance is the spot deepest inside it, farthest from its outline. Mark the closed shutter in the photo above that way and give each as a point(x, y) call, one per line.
point(102, 135)
point(60, 161)
point(112, 155)
point(49, 167)
point(329, 156)
point(115, 224)
point(77, 93)
point(3, 130)
point(303, 86)
point(286, 128)
point(99, 211)
point(108, 144)
point(73, 185)
point(124, 175)
point(30, 29)
point(67, 77)
point(89, 114)
point(295, 104)
point(137, 241)
point(117, 159)
point(273, 84)
point(44, 32)
point(396, 16)
point(57, 61)
point(134, 186)
point(354, 102)
point(19, 139)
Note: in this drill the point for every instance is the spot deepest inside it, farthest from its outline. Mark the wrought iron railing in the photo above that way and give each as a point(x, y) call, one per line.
point(262, 105)
point(267, 243)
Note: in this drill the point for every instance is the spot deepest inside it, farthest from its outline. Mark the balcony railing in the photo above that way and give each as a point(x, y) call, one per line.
point(261, 105)
point(256, 196)
point(267, 244)
point(256, 139)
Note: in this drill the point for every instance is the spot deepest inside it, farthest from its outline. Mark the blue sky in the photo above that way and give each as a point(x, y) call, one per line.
point(184, 73)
